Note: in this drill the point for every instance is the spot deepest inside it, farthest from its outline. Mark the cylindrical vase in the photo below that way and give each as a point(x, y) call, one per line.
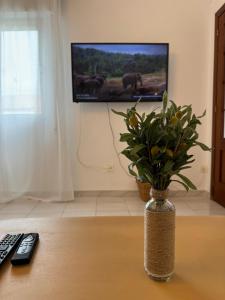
point(159, 236)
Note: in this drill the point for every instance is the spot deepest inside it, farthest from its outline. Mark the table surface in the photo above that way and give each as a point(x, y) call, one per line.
point(102, 258)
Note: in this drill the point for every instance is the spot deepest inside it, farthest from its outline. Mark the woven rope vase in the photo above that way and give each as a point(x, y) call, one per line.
point(159, 236)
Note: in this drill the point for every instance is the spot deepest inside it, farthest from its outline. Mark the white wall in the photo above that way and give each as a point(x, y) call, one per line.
point(187, 26)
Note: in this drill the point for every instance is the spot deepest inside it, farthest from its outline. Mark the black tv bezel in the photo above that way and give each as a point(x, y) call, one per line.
point(75, 100)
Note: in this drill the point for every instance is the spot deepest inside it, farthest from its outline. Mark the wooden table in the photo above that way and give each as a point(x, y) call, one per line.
point(102, 259)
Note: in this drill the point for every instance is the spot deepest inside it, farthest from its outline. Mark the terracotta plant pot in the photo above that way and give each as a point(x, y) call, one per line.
point(144, 190)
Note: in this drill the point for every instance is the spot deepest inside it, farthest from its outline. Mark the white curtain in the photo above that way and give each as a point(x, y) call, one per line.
point(35, 142)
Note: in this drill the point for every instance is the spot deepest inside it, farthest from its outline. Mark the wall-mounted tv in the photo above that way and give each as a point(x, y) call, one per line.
point(116, 72)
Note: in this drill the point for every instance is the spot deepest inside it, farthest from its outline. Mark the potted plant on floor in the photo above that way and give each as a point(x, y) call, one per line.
point(133, 141)
point(158, 147)
point(144, 188)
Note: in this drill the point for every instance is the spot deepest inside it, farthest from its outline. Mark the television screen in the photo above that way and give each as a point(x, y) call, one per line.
point(119, 72)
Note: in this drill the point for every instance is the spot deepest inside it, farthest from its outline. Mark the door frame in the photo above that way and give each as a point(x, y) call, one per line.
point(217, 15)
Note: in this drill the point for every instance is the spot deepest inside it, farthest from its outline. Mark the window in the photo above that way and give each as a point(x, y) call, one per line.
point(19, 72)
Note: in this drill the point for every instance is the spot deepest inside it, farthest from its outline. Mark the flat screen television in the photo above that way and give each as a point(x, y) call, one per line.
point(113, 72)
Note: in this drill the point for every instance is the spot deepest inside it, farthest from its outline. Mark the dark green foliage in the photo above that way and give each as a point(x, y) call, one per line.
point(158, 143)
point(90, 61)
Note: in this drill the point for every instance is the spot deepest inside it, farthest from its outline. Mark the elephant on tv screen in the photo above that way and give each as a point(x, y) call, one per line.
point(131, 79)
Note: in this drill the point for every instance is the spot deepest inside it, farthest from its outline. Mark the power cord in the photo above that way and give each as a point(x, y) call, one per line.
point(94, 167)
point(78, 151)
point(114, 143)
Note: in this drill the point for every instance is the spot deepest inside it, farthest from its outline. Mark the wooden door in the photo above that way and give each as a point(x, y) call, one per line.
point(218, 154)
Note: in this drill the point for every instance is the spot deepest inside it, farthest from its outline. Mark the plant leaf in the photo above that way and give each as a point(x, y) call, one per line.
point(165, 100)
point(203, 146)
point(187, 181)
point(130, 169)
point(168, 166)
point(204, 113)
point(186, 186)
point(137, 148)
point(124, 137)
point(120, 113)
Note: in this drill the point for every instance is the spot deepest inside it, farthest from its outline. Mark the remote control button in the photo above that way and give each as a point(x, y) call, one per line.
point(7, 245)
point(21, 250)
point(29, 238)
point(3, 247)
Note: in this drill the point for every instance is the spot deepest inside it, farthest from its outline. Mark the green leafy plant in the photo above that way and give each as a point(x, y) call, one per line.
point(158, 144)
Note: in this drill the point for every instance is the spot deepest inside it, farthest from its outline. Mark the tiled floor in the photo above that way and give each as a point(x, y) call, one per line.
point(105, 206)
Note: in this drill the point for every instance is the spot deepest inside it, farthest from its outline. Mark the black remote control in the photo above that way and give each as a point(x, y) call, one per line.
point(7, 244)
point(25, 249)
